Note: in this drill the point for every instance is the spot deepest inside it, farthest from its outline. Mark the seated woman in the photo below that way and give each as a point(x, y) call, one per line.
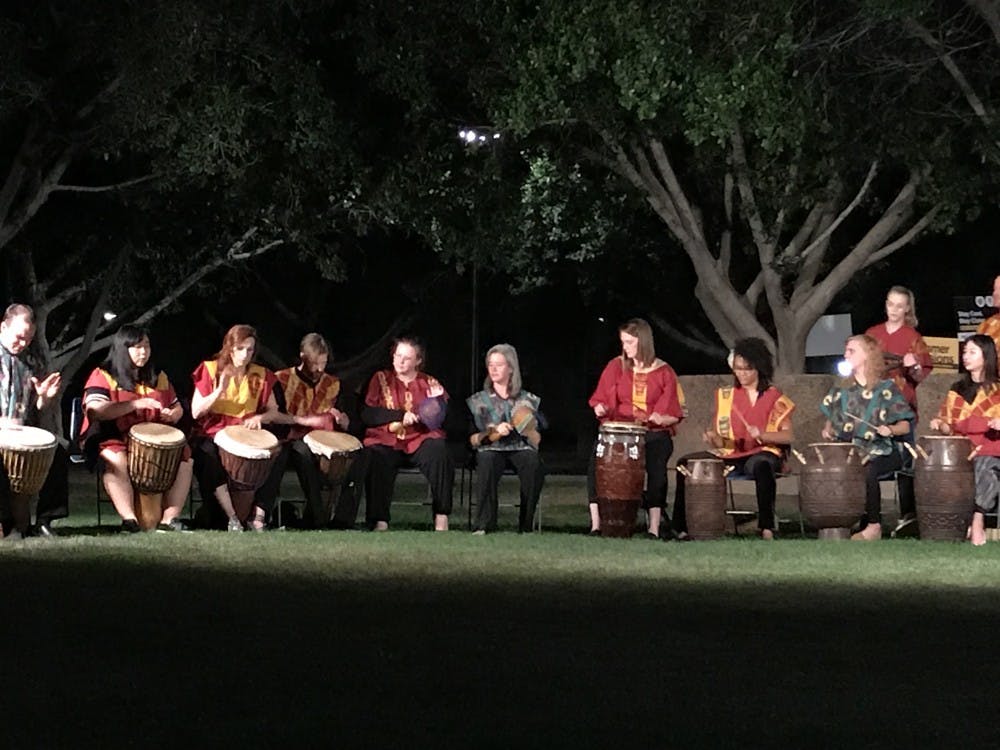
point(972, 408)
point(125, 391)
point(751, 431)
point(870, 412)
point(505, 416)
point(230, 389)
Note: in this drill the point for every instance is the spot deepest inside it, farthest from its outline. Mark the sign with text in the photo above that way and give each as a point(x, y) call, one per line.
point(944, 353)
point(971, 311)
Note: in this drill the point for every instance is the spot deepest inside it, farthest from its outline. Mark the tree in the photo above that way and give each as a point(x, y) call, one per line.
point(781, 153)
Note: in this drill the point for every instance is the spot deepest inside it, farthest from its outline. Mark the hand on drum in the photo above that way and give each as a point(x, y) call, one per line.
point(253, 423)
point(435, 390)
point(410, 418)
point(146, 403)
point(711, 437)
point(754, 432)
point(600, 410)
point(939, 425)
point(827, 433)
point(340, 418)
point(10, 422)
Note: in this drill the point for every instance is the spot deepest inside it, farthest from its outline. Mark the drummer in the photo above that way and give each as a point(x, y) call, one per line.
point(310, 397)
point(506, 423)
point(908, 363)
point(637, 387)
point(751, 431)
point(403, 413)
point(124, 391)
point(230, 389)
point(972, 408)
point(991, 326)
point(22, 397)
point(868, 410)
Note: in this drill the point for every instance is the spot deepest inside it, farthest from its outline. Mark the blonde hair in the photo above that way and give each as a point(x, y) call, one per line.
point(874, 369)
point(911, 301)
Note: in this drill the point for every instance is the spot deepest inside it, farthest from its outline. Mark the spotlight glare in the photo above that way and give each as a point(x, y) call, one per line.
point(844, 368)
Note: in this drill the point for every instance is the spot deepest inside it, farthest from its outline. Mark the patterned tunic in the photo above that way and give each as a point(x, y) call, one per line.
point(733, 411)
point(17, 394)
point(968, 410)
point(101, 387)
point(386, 391)
point(304, 399)
point(489, 409)
point(241, 399)
point(631, 396)
point(991, 328)
point(848, 403)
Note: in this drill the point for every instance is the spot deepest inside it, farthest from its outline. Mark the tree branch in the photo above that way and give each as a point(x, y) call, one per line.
point(848, 210)
point(906, 238)
point(103, 188)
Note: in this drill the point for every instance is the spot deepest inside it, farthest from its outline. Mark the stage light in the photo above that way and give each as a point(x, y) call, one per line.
point(109, 316)
point(844, 368)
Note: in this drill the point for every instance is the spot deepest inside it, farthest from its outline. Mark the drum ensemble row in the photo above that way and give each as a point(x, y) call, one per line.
point(831, 480)
point(831, 486)
point(155, 452)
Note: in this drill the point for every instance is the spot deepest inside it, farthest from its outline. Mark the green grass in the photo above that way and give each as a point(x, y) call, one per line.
point(416, 639)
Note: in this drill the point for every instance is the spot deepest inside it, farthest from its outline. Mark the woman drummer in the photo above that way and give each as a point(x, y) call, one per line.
point(972, 408)
point(751, 431)
point(124, 391)
point(869, 411)
point(230, 389)
point(908, 362)
point(637, 387)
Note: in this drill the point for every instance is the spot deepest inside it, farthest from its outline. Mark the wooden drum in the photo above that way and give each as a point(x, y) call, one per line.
point(27, 457)
point(945, 487)
point(154, 454)
point(705, 498)
point(247, 456)
point(832, 489)
point(336, 452)
point(620, 473)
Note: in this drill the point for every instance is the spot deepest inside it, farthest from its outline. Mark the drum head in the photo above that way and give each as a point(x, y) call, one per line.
point(21, 436)
point(328, 442)
point(628, 428)
point(246, 443)
point(156, 433)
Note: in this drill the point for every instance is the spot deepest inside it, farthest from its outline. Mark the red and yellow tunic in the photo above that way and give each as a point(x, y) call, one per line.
point(241, 399)
point(101, 387)
point(905, 340)
point(733, 412)
point(305, 399)
point(631, 396)
point(991, 327)
point(968, 413)
point(386, 391)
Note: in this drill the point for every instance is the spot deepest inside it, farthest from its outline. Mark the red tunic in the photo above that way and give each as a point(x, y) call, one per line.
point(733, 412)
point(972, 419)
point(631, 397)
point(303, 399)
point(241, 400)
point(386, 391)
point(906, 340)
point(991, 327)
point(101, 387)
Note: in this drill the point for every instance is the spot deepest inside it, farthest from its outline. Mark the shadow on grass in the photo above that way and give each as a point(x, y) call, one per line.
point(115, 651)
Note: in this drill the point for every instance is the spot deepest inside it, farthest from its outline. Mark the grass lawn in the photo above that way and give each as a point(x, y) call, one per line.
point(415, 639)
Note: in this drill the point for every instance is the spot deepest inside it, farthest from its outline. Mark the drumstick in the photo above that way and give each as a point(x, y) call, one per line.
point(744, 421)
point(974, 452)
point(859, 419)
point(819, 455)
point(922, 452)
point(799, 456)
point(681, 469)
point(910, 448)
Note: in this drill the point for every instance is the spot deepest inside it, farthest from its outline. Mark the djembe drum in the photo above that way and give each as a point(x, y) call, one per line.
point(154, 454)
point(620, 473)
point(247, 456)
point(27, 454)
point(832, 488)
point(336, 452)
point(705, 497)
point(945, 487)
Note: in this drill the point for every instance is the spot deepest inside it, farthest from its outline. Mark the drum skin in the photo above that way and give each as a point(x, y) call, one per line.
point(705, 498)
point(246, 474)
point(335, 452)
point(620, 473)
point(27, 454)
point(945, 487)
point(832, 489)
point(154, 455)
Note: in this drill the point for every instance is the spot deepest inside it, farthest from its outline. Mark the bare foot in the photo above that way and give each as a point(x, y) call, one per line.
point(440, 522)
point(870, 533)
point(380, 526)
point(767, 534)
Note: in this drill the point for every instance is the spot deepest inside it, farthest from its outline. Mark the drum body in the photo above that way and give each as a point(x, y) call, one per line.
point(27, 457)
point(154, 455)
point(246, 455)
point(945, 487)
point(832, 489)
point(336, 452)
point(620, 473)
point(705, 498)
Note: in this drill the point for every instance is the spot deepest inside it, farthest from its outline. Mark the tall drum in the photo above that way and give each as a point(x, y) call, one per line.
point(832, 488)
point(620, 471)
point(705, 498)
point(336, 452)
point(247, 456)
point(945, 487)
point(27, 454)
point(154, 454)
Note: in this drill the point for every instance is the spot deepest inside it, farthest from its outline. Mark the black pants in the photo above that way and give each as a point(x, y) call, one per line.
point(431, 458)
point(209, 473)
point(761, 467)
point(489, 468)
point(659, 447)
point(313, 483)
point(882, 467)
point(53, 498)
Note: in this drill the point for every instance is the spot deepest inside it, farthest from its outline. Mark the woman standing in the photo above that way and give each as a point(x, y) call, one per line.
point(870, 412)
point(124, 391)
point(230, 389)
point(972, 408)
point(637, 387)
point(751, 431)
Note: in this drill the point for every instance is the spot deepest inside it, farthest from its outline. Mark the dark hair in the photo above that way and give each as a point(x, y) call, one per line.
point(119, 363)
point(758, 356)
point(413, 341)
point(990, 375)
